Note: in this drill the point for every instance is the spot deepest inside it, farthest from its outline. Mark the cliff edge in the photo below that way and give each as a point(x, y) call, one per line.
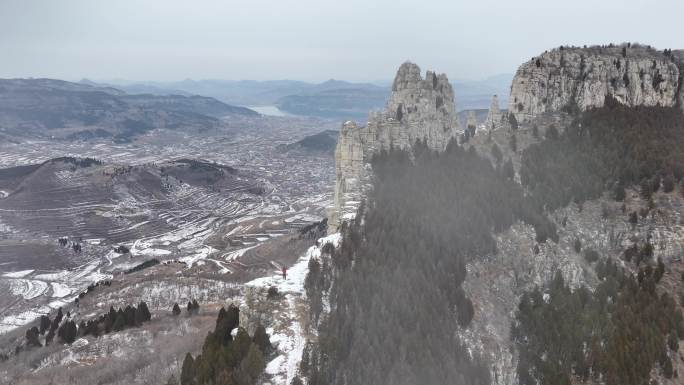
point(418, 109)
point(570, 79)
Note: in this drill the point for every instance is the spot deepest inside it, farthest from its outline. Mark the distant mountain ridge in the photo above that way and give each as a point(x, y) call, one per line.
point(190, 104)
point(338, 103)
point(236, 92)
point(61, 109)
point(322, 142)
point(331, 99)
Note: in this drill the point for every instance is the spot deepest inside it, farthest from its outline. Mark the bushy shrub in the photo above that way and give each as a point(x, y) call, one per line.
point(591, 255)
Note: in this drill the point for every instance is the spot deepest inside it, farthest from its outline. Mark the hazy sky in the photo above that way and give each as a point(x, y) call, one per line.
point(314, 40)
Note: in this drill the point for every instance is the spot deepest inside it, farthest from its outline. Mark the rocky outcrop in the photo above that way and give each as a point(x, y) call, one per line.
point(471, 122)
point(678, 57)
point(495, 118)
point(350, 175)
point(418, 109)
point(581, 78)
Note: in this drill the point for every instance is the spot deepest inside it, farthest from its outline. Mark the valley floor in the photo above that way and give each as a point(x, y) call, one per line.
point(210, 242)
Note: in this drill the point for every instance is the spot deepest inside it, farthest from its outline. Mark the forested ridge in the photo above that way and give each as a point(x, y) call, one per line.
point(627, 326)
point(397, 298)
point(615, 334)
point(606, 148)
point(229, 355)
point(68, 330)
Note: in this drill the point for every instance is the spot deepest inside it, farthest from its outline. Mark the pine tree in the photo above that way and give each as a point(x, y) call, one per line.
point(241, 343)
point(221, 316)
point(225, 377)
point(261, 339)
point(146, 311)
point(67, 332)
point(129, 314)
point(44, 324)
point(513, 143)
point(253, 364)
point(120, 322)
point(513, 121)
point(188, 371)
point(222, 330)
point(49, 337)
point(552, 133)
point(659, 271)
point(508, 170)
point(58, 317)
point(633, 218)
point(655, 183)
point(142, 313)
point(139, 317)
point(496, 153)
point(673, 342)
point(578, 245)
point(32, 337)
point(591, 255)
point(109, 322)
point(466, 311)
point(646, 188)
point(54, 325)
point(668, 183)
point(72, 332)
point(619, 192)
point(176, 309)
point(667, 368)
point(232, 317)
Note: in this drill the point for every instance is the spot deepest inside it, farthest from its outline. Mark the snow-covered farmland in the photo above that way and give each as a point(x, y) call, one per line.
point(209, 240)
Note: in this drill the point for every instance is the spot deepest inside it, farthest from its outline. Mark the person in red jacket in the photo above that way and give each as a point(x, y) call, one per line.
point(284, 272)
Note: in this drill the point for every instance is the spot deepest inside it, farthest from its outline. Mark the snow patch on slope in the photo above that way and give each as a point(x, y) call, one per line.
point(290, 340)
point(18, 274)
point(60, 290)
point(27, 288)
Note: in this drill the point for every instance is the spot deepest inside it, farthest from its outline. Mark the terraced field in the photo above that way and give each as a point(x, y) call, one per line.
point(224, 205)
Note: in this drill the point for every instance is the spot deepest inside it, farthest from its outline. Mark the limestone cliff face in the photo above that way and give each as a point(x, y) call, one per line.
point(678, 57)
point(351, 175)
point(583, 77)
point(495, 118)
point(418, 109)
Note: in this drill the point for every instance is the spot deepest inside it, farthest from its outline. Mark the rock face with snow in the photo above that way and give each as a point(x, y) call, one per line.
point(566, 78)
point(418, 109)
